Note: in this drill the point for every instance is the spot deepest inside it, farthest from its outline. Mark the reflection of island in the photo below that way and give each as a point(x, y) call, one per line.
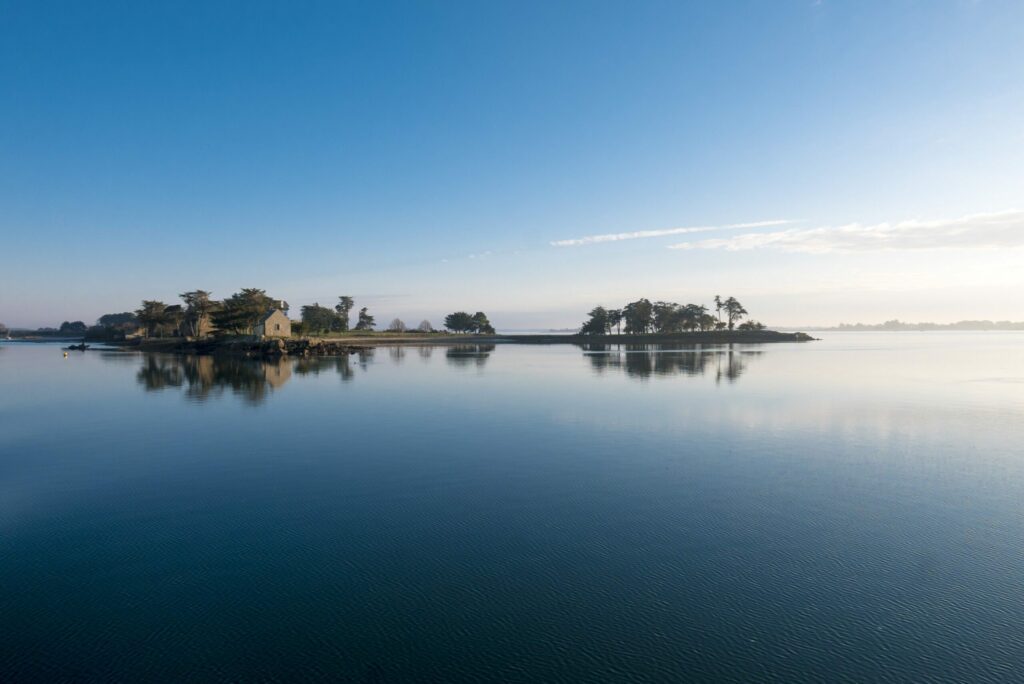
point(206, 376)
point(644, 360)
point(462, 355)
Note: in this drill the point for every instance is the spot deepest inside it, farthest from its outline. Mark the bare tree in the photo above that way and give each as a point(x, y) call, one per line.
point(397, 325)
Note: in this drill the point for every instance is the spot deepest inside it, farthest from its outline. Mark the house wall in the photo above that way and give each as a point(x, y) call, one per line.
point(277, 325)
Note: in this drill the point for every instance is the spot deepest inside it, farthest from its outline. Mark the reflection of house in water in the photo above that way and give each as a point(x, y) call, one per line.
point(646, 360)
point(277, 373)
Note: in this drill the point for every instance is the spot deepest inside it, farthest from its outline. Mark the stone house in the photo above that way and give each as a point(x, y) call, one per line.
point(273, 324)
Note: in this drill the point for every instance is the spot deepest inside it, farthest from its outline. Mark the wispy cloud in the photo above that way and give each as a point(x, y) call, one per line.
point(636, 235)
point(977, 231)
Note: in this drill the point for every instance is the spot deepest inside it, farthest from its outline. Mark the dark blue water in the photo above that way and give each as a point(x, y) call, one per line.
point(847, 510)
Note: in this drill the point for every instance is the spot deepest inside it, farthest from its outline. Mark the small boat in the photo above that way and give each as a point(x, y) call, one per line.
point(78, 347)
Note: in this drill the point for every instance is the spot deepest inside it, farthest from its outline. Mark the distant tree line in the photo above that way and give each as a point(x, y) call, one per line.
point(959, 325)
point(643, 317)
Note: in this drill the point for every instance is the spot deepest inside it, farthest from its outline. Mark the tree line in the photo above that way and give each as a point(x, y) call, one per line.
point(643, 317)
point(199, 315)
point(321, 319)
point(462, 322)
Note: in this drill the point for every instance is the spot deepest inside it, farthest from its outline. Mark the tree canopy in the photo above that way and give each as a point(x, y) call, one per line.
point(734, 311)
point(481, 324)
point(319, 319)
point(72, 328)
point(365, 321)
point(462, 322)
point(240, 312)
point(198, 307)
point(117, 320)
point(151, 316)
point(342, 308)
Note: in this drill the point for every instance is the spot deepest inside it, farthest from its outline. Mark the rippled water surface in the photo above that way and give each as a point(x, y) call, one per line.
point(848, 509)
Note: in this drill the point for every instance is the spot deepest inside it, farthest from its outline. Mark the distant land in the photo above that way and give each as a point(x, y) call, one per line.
point(896, 326)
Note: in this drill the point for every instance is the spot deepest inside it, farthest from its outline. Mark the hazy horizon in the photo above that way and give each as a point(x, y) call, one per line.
point(823, 162)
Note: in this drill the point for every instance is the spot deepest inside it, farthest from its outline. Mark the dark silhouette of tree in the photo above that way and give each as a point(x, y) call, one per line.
point(72, 328)
point(4, 330)
point(750, 325)
point(198, 307)
point(175, 315)
point(318, 319)
point(734, 311)
point(365, 321)
point(667, 317)
point(638, 316)
point(599, 322)
point(152, 316)
point(343, 307)
point(459, 322)
point(481, 324)
point(707, 322)
point(615, 320)
point(118, 320)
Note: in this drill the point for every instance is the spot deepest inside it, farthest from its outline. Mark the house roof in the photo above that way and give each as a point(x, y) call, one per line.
point(263, 319)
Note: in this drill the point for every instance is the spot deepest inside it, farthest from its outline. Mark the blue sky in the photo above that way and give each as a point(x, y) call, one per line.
point(427, 157)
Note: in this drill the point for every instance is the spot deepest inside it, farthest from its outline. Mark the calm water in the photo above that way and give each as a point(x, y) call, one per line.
point(849, 509)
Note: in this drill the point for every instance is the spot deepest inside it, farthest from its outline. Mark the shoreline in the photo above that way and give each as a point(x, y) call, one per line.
point(344, 345)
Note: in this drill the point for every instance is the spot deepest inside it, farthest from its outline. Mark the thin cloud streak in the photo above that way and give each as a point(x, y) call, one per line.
point(636, 235)
point(998, 230)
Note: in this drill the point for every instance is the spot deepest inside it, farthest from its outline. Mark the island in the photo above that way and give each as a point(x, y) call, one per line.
point(252, 323)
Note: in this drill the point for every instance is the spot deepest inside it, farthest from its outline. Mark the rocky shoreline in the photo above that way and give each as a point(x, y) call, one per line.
point(273, 348)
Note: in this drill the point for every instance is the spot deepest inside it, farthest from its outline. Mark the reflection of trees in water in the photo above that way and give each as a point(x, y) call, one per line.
point(644, 360)
point(160, 372)
point(464, 355)
point(397, 354)
point(127, 358)
point(206, 376)
point(425, 352)
point(315, 365)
